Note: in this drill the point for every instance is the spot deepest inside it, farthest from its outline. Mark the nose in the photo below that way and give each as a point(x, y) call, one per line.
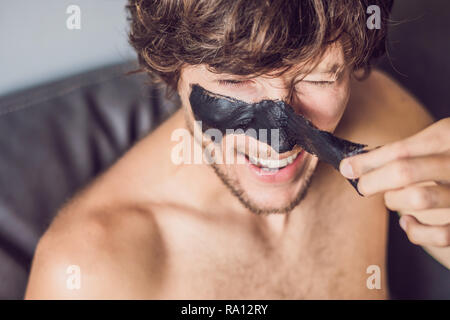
point(275, 93)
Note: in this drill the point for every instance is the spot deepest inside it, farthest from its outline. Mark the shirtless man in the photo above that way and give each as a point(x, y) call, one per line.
point(151, 229)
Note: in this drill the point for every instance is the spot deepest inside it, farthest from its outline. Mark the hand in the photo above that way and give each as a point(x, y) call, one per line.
point(399, 170)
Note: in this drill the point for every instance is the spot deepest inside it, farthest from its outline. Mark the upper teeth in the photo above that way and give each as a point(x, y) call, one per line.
point(272, 164)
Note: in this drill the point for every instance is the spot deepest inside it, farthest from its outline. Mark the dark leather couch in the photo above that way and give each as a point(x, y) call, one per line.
point(57, 137)
point(53, 140)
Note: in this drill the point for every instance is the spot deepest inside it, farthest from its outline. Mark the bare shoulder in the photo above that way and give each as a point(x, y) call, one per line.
point(104, 254)
point(110, 233)
point(380, 111)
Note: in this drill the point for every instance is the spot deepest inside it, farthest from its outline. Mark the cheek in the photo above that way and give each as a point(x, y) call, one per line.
point(325, 106)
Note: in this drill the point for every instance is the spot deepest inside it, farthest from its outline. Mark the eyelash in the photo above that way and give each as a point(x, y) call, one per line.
point(237, 83)
point(321, 83)
point(234, 83)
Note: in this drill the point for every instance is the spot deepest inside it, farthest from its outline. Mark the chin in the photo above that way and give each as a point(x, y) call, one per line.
point(275, 202)
point(266, 190)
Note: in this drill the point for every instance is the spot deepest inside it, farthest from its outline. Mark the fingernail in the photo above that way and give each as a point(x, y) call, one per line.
point(347, 170)
point(402, 223)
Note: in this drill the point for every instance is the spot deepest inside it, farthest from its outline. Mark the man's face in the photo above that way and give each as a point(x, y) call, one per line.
point(321, 97)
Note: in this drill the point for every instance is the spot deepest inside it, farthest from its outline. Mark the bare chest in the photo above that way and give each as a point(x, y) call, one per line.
point(335, 249)
point(221, 265)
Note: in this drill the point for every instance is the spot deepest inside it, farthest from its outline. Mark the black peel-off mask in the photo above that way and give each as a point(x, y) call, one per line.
point(222, 112)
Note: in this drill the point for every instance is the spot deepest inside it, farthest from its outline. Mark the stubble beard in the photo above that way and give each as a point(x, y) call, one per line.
point(235, 188)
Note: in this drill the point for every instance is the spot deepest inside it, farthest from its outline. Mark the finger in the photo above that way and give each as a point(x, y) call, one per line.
point(433, 140)
point(418, 198)
point(405, 172)
point(422, 234)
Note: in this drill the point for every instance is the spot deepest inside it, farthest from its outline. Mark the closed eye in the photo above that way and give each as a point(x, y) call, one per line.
point(321, 83)
point(234, 83)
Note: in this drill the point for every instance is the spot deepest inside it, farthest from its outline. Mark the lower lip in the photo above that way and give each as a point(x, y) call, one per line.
point(281, 175)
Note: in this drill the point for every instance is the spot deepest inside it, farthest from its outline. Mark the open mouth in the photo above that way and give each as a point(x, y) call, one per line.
point(272, 165)
point(274, 171)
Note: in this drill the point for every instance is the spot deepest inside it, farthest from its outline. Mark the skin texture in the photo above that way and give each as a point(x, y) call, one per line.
point(148, 228)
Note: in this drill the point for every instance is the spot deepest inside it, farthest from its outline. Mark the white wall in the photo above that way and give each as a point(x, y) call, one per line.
point(36, 46)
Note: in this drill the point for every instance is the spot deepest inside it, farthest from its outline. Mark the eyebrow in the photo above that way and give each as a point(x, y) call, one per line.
point(336, 68)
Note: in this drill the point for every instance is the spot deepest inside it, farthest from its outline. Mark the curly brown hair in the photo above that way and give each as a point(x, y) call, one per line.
point(250, 37)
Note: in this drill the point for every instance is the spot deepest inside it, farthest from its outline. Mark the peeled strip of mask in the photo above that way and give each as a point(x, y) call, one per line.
point(222, 112)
